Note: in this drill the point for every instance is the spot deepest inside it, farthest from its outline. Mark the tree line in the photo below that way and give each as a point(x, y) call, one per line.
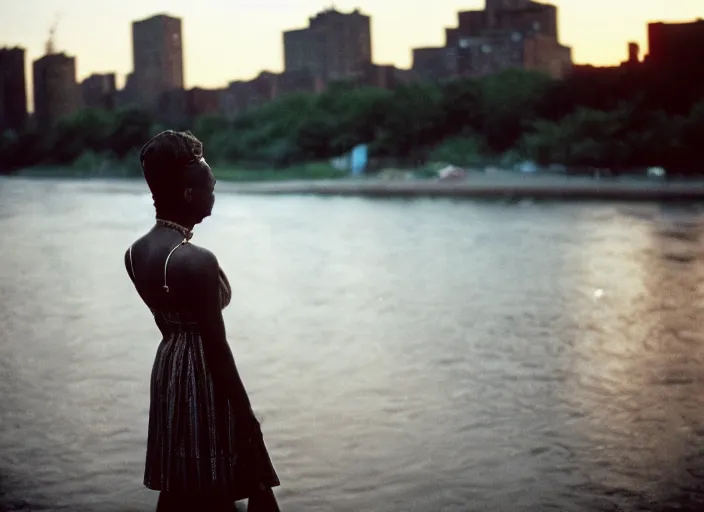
point(623, 119)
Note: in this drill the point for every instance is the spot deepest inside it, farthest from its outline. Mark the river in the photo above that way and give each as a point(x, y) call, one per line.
point(403, 355)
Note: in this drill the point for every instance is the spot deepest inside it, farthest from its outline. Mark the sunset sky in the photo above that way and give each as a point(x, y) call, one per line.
point(227, 40)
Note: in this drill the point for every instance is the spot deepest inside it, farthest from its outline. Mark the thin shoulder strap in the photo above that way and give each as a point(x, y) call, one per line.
point(166, 264)
point(132, 265)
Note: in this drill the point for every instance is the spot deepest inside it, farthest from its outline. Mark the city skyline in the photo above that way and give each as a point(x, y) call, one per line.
point(255, 35)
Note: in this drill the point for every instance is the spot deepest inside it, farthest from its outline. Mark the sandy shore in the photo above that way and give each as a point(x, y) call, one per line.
point(543, 187)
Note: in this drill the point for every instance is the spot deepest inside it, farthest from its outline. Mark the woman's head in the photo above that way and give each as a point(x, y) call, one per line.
point(180, 180)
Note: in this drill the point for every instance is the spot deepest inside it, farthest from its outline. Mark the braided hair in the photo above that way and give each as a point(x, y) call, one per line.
point(167, 161)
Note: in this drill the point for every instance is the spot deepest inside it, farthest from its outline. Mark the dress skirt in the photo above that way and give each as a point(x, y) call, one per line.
point(193, 444)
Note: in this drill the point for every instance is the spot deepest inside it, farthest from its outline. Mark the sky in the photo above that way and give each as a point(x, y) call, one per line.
point(226, 40)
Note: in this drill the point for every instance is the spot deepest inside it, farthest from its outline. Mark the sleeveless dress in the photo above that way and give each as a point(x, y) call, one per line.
point(193, 444)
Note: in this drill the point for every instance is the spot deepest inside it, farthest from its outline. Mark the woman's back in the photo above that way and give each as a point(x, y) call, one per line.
point(160, 265)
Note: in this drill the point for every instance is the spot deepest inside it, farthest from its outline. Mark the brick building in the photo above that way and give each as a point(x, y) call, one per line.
point(201, 102)
point(99, 91)
point(127, 95)
point(13, 89)
point(240, 95)
point(56, 93)
point(157, 50)
point(335, 46)
point(383, 76)
point(633, 53)
point(303, 81)
point(524, 16)
point(434, 64)
point(172, 109)
point(507, 34)
point(676, 45)
point(542, 53)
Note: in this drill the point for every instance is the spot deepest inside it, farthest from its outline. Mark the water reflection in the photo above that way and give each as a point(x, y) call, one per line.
point(636, 380)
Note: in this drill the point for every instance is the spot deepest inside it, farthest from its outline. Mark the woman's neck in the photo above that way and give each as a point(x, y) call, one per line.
point(181, 220)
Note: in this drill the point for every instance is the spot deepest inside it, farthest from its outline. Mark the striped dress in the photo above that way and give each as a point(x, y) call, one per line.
point(193, 444)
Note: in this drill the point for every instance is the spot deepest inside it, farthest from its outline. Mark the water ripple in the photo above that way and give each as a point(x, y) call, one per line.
point(402, 355)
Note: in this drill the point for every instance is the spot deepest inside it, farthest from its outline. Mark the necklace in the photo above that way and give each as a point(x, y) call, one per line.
point(187, 233)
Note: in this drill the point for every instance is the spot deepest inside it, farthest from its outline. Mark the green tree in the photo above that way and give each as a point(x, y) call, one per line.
point(586, 137)
point(131, 129)
point(414, 122)
point(622, 118)
point(85, 130)
point(462, 107)
point(510, 104)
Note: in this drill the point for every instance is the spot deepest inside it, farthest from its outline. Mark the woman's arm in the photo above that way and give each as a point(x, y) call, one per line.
point(205, 296)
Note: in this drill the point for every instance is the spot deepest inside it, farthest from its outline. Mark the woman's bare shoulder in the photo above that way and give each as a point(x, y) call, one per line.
point(199, 260)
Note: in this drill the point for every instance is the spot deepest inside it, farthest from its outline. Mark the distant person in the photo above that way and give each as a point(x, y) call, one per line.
point(205, 448)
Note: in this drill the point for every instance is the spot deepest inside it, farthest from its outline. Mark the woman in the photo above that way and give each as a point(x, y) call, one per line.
point(205, 449)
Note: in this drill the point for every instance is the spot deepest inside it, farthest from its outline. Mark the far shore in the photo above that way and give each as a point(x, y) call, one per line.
point(501, 185)
point(487, 186)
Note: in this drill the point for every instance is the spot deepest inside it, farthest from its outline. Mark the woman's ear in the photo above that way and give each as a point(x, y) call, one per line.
point(188, 194)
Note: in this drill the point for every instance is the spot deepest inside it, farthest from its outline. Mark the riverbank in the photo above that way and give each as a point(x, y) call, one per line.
point(487, 186)
point(121, 170)
point(500, 185)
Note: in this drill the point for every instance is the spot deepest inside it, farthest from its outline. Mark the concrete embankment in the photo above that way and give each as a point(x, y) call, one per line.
point(538, 187)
